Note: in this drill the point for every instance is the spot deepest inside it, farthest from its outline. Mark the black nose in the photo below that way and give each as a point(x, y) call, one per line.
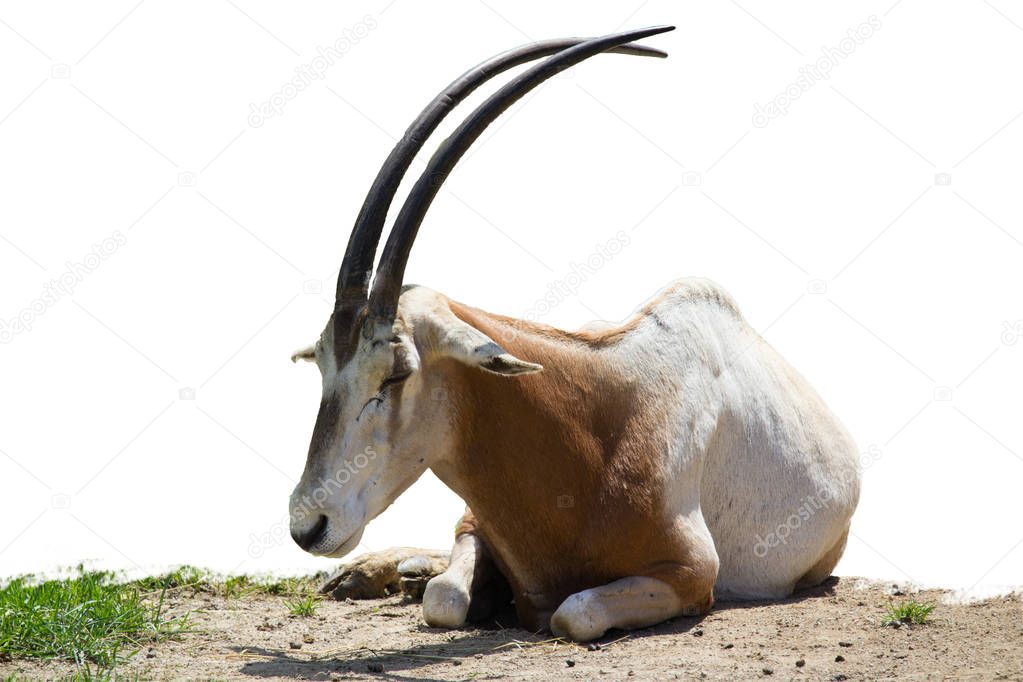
point(308, 538)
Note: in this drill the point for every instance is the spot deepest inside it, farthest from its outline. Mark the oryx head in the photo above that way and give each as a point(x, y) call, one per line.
point(380, 425)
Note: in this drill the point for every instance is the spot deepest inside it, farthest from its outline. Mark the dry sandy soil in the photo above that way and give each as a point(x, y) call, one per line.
point(832, 633)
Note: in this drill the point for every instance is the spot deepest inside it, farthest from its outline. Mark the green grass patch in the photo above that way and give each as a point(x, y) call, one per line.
point(909, 612)
point(290, 586)
point(97, 620)
point(88, 618)
point(302, 606)
point(245, 585)
point(183, 577)
point(238, 585)
point(198, 580)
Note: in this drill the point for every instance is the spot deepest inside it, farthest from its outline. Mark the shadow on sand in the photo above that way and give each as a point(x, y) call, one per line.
point(478, 641)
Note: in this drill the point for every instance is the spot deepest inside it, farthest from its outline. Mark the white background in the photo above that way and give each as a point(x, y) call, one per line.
point(896, 293)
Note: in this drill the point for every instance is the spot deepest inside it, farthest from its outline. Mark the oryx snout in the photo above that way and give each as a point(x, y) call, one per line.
point(308, 536)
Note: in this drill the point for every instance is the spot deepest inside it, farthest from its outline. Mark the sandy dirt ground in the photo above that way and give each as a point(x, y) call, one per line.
point(832, 633)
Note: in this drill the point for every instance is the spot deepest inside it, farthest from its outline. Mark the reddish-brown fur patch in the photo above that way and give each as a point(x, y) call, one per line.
point(563, 469)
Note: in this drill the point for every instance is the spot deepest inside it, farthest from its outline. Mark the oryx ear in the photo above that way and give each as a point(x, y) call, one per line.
point(464, 342)
point(307, 354)
point(493, 358)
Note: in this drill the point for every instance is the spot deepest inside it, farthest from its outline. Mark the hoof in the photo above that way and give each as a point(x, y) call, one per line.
point(416, 567)
point(579, 619)
point(445, 603)
point(415, 573)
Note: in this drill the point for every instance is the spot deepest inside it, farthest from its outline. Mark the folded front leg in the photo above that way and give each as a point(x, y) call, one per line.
point(472, 588)
point(633, 602)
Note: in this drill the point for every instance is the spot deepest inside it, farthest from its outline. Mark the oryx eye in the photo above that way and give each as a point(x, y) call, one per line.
point(395, 379)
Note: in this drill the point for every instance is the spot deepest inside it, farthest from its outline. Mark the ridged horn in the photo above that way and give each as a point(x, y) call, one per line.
point(383, 300)
point(356, 268)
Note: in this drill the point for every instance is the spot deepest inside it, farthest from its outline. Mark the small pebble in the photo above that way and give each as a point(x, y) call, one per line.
point(768, 671)
point(308, 639)
point(570, 663)
point(697, 632)
point(800, 663)
point(729, 646)
point(295, 645)
point(839, 659)
point(593, 646)
point(845, 644)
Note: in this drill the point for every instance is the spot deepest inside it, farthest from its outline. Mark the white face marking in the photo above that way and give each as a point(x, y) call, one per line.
point(381, 424)
point(374, 436)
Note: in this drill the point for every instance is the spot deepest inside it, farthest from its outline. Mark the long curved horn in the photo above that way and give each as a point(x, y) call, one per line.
point(357, 266)
point(383, 300)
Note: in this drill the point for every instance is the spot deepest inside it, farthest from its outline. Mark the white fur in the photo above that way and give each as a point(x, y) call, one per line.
point(752, 441)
